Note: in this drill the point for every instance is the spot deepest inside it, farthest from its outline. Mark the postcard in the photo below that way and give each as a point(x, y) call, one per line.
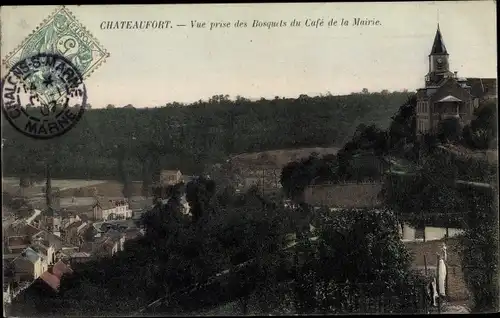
point(249, 159)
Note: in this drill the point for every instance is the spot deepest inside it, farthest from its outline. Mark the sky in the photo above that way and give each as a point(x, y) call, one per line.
point(153, 67)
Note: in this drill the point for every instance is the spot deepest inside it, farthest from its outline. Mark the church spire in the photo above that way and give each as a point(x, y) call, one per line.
point(438, 46)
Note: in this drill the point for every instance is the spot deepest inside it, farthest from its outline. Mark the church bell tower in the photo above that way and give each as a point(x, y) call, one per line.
point(439, 67)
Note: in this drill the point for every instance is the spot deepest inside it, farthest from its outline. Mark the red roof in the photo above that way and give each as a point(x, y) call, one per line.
point(60, 268)
point(51, 280)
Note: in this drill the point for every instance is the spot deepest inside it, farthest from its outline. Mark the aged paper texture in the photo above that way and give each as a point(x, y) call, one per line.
point(249, 159)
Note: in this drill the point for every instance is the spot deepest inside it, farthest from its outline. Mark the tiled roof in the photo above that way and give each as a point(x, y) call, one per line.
point(40, 249)
point(74, 225)
point(53, 240)
point(84, 217)
point(60, 269)
point(15, 252)
point(81, 254)
point(18, 240)
point(169, 172)
point(22, 229)
point(129, 235)
point(31, 255)
point(113, 234)
point(449, 98)
point(110, 204)
point(82, 227)
point(88, 232)
point(53, 281)
point(108, 243)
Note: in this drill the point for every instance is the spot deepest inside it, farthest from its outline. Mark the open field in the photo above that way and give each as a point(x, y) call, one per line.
point(62, 184)
point(283, 156)
point(67, 187)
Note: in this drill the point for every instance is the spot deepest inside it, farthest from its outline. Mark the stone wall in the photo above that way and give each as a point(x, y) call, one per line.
point(344, 195)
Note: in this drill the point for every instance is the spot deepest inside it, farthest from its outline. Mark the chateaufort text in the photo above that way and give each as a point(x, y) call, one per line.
point(223, 24)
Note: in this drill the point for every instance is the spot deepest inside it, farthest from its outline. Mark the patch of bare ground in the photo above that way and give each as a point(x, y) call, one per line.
point(282, 157)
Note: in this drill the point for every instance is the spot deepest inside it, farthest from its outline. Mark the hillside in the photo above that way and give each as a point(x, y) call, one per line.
point(280, 158)
point(188, 137)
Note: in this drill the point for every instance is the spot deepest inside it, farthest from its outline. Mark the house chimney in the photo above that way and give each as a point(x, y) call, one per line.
point(456, 74)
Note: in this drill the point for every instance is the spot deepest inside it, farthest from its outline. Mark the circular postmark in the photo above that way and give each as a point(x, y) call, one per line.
point(43, 96)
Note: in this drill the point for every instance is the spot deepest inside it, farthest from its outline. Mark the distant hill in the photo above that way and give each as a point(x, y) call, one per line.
point(189, 137)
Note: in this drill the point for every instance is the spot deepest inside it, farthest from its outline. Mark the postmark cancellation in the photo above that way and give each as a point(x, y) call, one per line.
point(42, 96)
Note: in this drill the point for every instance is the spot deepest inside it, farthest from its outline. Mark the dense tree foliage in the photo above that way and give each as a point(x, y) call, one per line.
point(359, 261)
point(427, 195)
point(431, 197)
point(402, 131)
point(480, 247)
point(482, 131)
point(361, 158)
point(188, 137)
point(449, 130)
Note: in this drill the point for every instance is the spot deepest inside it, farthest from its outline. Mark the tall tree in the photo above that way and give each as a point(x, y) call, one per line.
point(360, 258)
point(481, 133)
point(449, 130)
point(480, 247)
point(199, 193)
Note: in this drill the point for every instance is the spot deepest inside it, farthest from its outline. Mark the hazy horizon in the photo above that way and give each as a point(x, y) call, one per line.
point(152, 68)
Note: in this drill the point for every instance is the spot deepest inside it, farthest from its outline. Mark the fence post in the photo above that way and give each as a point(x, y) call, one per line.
point(437, 284)
point(425, 264)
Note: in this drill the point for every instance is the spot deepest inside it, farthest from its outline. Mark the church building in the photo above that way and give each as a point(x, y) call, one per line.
point(446, 95)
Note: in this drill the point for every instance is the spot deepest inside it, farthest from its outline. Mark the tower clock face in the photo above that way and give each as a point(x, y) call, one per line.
point(440, 61)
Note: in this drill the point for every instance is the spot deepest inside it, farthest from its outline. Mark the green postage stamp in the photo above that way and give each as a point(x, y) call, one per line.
point(63, 35)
